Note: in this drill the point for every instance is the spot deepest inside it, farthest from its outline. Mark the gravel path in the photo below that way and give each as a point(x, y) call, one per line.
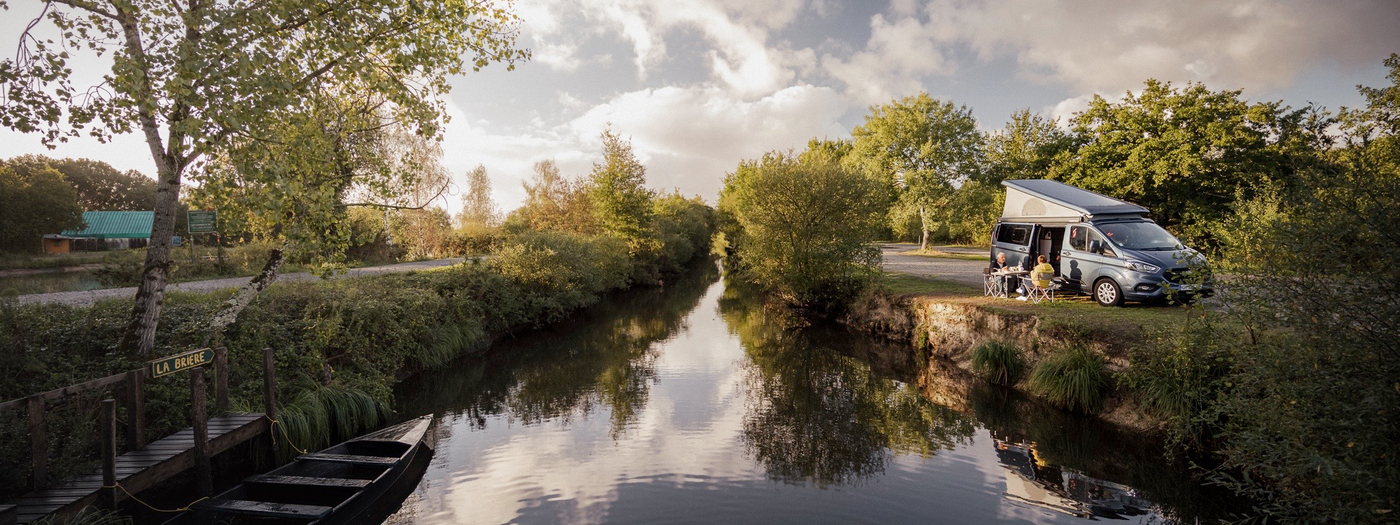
point(87, 298)
point(896, 259)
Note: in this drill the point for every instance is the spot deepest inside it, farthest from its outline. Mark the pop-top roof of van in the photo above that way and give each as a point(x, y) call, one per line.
point(1039, 199)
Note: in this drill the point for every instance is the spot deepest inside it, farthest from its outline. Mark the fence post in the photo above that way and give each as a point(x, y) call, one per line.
point(220, 378)
point(135, 409)
point(199, 415)
point(107, 426)
point(38, 442)
point(270, 402)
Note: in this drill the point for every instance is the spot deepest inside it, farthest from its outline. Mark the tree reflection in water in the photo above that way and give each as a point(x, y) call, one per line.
point(816, 411)
point(604, 356)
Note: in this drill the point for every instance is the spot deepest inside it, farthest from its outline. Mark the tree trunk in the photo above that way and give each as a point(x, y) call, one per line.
point(140, 333)
point(245, 295)
point(923, 229)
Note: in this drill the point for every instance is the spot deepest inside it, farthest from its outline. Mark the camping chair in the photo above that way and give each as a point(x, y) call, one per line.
point(991, 287)
point(1037, 293)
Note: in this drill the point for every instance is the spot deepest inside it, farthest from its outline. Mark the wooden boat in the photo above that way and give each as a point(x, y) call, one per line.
point(356, 482)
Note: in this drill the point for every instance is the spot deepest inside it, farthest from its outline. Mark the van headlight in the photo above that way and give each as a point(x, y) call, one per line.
point(1142, 267)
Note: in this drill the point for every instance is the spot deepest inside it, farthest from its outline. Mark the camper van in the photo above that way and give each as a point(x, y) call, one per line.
point(1099, 245)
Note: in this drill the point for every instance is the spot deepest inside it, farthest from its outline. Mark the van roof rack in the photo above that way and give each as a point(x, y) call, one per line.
point(1043, 200)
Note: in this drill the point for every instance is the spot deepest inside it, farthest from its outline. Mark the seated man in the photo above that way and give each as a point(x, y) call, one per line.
point(1004, 281)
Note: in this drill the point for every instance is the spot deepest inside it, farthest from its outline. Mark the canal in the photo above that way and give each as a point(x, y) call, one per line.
point(697, 404)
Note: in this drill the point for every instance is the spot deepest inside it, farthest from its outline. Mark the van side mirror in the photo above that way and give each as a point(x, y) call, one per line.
point(1096, 246)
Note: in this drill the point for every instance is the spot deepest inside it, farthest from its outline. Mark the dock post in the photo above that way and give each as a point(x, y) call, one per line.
point(38, 442)
point(135, 409)
point(199, 415)
point(270, 402)
point(220, 378)
point(107, 426)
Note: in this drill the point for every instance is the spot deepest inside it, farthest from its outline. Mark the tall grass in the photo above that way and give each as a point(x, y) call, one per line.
point(999, 362)
point(1073, 379)
point(88, 516)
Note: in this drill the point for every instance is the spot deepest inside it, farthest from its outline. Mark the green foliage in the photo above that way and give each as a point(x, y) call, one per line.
point(554, 203)
point(98, 185)
point(339, 346)
point(478, 210)
point(558, 272)
point(804, 225)
point(684, 227)
point(34, 201)
point(617, 191)
point(921, 148)
point(1074, 379)
point(1185, 154)
point(1179, 371)
point(1000, 362)
point(1305, 414)
point(1025, 149)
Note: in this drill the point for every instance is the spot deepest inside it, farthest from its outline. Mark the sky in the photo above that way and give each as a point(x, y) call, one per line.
point(699, 85)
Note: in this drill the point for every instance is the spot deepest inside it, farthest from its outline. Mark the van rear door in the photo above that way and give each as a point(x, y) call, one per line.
point(1014, 238)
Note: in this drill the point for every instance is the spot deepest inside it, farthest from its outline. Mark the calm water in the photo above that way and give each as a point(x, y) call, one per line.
point(695, 405)
point(50, 282)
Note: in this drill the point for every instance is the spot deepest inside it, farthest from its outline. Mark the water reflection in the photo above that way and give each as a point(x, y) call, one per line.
point(819, 414)
point(697, 404)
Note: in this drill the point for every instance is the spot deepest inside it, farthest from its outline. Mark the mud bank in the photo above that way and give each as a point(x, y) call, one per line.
point(942, 333)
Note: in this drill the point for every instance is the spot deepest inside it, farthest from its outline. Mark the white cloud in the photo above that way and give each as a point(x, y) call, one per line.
point(1111, 46)
point(896, 57)
point(690, 137)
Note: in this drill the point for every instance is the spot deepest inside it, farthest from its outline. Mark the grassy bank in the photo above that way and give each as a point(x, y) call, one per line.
point(339, 345)
point(950, 321)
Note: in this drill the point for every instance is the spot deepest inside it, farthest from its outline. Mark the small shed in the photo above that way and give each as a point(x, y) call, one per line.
point(1046, 201)
point(104, 230)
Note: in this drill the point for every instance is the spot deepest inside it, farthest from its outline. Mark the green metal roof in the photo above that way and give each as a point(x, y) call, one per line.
point(115, 225)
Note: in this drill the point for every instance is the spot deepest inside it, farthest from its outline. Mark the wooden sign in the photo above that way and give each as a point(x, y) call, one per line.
point(203, 221)
point(181, 362)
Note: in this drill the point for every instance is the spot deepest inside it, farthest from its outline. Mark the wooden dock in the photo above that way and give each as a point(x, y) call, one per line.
point(140, 469)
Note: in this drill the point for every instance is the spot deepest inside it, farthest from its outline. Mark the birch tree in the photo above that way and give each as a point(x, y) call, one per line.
point(189, 76)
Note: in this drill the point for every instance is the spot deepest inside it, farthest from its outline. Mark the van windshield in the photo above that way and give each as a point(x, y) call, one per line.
point(1139, 236)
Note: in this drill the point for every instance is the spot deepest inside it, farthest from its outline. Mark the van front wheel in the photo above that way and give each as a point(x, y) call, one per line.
point(1107, 292)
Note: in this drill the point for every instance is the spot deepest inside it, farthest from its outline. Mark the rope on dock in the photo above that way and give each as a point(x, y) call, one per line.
point(148, 505)
point(283, 428)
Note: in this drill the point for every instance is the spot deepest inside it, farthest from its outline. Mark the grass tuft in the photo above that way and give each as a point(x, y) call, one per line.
point(1074, 379)
point(88, 516)
point(999, 362)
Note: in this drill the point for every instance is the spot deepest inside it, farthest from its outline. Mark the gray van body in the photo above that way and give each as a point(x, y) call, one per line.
point(1068, 225)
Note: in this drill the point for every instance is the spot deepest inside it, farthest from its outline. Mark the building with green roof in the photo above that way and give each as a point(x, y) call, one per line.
point(112, 230)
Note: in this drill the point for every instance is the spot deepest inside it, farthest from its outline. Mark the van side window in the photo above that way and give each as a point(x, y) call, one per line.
point(1078, 238)
point(1107, 248)
point(1014, 234)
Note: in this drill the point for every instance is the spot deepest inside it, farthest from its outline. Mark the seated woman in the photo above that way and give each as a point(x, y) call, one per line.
point(1042, 268)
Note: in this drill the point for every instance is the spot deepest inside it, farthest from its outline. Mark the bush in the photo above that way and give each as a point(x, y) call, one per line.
point(999, 362)
point(807, 225)
point(1073, 379)
point(339, 346)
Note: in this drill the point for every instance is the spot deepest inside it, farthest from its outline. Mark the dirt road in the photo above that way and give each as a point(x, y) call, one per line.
point(898, 259)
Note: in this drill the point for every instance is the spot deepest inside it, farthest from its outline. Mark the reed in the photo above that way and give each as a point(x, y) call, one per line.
point(999, 362)
point(1073, 379)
